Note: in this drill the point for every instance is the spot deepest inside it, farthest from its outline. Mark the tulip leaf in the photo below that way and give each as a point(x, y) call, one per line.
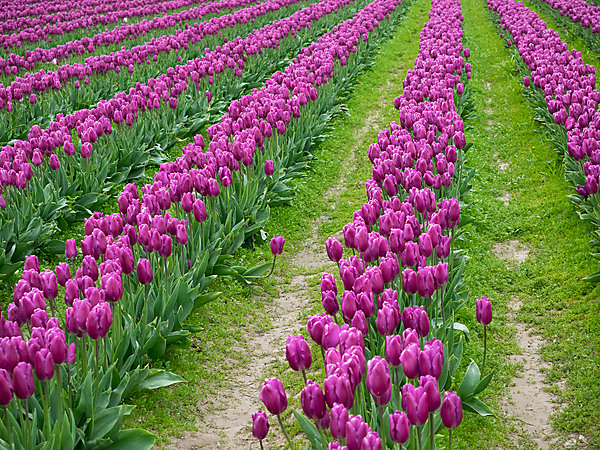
point(160, 379)
point(106, 421)
point(257, 271)
point(134, 438)
point(310, 430)
point(593, 278)
point(470, 381)
point(476, 406)
point(483, 383)
point(204, 299)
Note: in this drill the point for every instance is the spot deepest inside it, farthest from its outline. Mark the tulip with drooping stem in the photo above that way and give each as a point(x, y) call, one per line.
point(276, 244)
point(484, 317)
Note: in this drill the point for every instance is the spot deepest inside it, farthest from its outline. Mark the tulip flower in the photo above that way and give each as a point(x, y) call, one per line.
point(338, 390)
point(334, 249)
point(144, 271)
point(6, 389)
point(356, 431)
point(484, 317)
point(312, 400)
point(451, 413)
point(23, 383)
point(399, 427)
point(269, 168)
point(379, 380)
point(260, 426)
point(298, 354)
point(276, 249)
point(339, 417)
point(273, 397)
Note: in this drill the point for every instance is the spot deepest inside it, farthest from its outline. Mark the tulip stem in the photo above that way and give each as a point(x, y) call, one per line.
point(450, 438)
point(285, 432)
point(380, 414)
point(304, 376)
point(8, 429)
point(431, 431)
point(321, 432)
point(261, 446)
point(419, 437)
point(272, 267)
point(484, 347)
point(46, 410)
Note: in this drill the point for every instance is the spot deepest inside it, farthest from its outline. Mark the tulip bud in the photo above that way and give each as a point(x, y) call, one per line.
point(451, 411)
point(399, 427)
point(44, 364)
point(269, 168)
point(356, 431)
point(144, 271)
point(312, 400)
point(6, 390)
point(339, 417)
point(298, 353)
point(338, 390)
point(260, 425)
point(273, 396)
point(393, 350)
point(484, 311)
point(334, 249)
point(277, 245)
point(409, 358)
point(23, 384)
point(378, 379)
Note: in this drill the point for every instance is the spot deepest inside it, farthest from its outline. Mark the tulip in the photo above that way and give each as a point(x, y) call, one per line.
point(451, 413)
point(331, 335)
point(356, 431)
point(144, 271)
point(371, 441)
point(6, 389)
point(393, 350)
point(484, 317)
point(273, 396)
point(339, 417)
point(416, 318)
point(409, 358)
point(260, 425)
point(399, 427)
point(387, 320)
point(312, 400)
point(298, 354)
point(277, 245)
point(378, 379)
point(44, 364)
point(334, 249)
point(99, 321)
point(269, 168)
point(330, 302)
point(359, 321)
point(415, 403)
point(23, 384)
point(338, 390)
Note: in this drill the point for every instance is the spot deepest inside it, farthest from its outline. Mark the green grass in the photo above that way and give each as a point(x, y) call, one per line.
point(555, 302)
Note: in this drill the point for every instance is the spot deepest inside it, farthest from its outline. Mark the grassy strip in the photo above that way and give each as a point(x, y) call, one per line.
point(168, 411)
point(556, 303)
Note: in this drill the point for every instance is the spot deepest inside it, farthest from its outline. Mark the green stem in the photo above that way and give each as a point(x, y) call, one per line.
point(46, 410)
point(431, 431)
point(484, 347)
point(272, 267)
point(261, 445)
point(285, 432)
point(450, 438)
point(8, 429)
point(304, 376)
point(419, 436)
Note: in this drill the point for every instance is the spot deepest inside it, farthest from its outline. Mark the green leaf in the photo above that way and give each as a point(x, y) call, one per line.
point(483, 383)
point(106, 420)
point(160, 379)
point(476, 406)
point(593, 278)
point(133, 438)
point(470, 381)
point(257, 271)
point(310, 430)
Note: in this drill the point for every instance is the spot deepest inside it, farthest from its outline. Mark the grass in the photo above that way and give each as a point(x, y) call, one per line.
point(556, 303)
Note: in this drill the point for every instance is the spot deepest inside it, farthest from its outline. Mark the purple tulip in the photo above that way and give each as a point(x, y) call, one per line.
point(269, 167)
point(312, 400)
point(23, 384)
point(298, 353)
point(273, 396)
point(399, 427)
point(330, 302)
point(44, 364)
point(378, 379)
point(338, 390)
point(144, 271)
point(356, 431)
point(99, 321)
point(387, 320)
point(393, 350)
point(409, 358)
point(199, 210)
point(260, 425)
point(484, 311)
point(339, 417)
point(6, 389)
point(277, 245)
point(451, 411)
point(371, 441)
point(430, 386)
point(416, 318)
point(415, 403)
point(334, 249)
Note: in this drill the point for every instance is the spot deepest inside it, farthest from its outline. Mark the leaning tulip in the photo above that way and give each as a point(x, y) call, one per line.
point(273, 397)
point(334, 249)
point(484, 317)
point(260, 426)
point(451, 413)
point(277, 245)
point(298, 354)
